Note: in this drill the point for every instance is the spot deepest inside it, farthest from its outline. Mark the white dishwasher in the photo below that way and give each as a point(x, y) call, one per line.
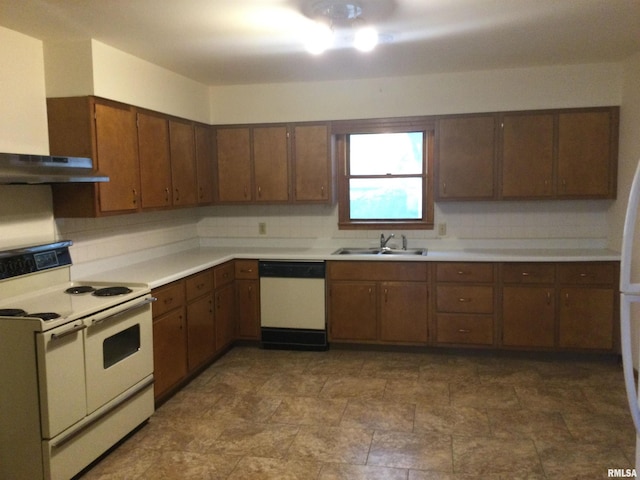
point(292, 305)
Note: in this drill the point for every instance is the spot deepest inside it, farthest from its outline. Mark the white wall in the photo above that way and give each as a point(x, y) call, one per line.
point(481, 91)
point(25, 211)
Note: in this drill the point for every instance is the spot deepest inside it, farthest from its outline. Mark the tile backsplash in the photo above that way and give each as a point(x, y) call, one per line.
point(568, 224)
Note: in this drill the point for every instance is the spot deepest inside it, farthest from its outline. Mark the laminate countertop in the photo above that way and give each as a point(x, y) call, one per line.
point(164, 269)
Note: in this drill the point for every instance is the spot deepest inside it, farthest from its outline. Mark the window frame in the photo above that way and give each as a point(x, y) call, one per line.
point(342, 130)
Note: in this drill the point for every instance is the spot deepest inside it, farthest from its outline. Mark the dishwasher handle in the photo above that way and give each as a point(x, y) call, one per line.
point(291, 269)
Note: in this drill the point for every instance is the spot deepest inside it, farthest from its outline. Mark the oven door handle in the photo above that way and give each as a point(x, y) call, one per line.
point(146, 301)
point(74, 329)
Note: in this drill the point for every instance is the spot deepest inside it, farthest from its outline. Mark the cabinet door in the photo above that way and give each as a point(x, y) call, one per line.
point(200, 331)
point(586, 318)
point(225, 316)
point(117, 157)
point(248, 295)
point(528, 316)
point(584, 154)
point(271, 164)
point(527, 155)
point(233, 163)
point(352, 311)
point(155, 160)
point(169, 350)
point(403, 312)
point(466, 158)
point(204, 164)
point(312, 163)
point(183, 163)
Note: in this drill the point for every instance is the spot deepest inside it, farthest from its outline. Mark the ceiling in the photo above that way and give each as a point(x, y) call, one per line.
point(225, 42)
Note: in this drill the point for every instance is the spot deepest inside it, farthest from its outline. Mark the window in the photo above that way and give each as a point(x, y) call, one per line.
point(385, 177)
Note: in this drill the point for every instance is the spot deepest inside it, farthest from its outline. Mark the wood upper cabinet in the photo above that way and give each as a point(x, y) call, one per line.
point(465, 158)
point(106, 132)
point(271, 164)
point(587, 153)
point(155, 160)
point(183, 162)
point(312, 164)
point(204, 163)
point(527, 155)
point(233, 164)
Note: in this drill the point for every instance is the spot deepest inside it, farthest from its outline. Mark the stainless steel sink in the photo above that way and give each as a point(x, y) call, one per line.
point(379, 251)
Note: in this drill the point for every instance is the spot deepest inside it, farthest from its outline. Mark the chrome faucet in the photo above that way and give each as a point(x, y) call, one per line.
point(383, 241)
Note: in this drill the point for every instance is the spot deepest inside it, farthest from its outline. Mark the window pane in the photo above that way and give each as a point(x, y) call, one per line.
point(386, 153)
point(385, 198)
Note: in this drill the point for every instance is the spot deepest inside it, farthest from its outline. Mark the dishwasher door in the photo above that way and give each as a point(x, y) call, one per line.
point(292, 305)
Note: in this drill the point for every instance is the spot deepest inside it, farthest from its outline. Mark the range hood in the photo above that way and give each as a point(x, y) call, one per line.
point(35, 169)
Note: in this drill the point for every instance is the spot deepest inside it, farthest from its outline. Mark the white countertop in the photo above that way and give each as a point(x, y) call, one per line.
point(174, 266)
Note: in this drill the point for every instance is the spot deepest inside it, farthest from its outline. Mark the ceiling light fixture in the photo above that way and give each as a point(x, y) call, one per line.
point(333, 15)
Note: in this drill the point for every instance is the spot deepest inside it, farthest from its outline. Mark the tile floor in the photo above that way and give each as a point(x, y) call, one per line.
point(345, 414)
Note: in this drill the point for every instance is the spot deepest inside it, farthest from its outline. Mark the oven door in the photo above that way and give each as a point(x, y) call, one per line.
point(118, 350)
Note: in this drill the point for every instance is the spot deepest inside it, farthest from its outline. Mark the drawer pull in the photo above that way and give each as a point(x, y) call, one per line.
point(583, 275)
point(464, 330)
point(462, 272)
point(464, 300)
point(246, 270)
point(168, 300)
point(525, 274)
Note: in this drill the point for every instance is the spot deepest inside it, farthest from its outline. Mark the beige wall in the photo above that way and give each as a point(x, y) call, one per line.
point(25, 211)
point(513, 89)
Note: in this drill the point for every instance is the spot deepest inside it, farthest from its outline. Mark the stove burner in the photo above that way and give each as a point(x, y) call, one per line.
point(44, 315)
point(12, 312)
point(111, 291)
point(77, 290)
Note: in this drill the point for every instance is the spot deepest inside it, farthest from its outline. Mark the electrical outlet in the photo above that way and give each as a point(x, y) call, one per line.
point(442, 229)
point(262, 228)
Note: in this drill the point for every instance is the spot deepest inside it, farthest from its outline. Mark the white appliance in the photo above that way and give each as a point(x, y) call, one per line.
point(76, 364)
point(292, 305)
point(630, 300)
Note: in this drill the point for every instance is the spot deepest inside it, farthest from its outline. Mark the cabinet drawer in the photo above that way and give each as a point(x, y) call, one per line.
point(587, 273)
point(246, 269)
point(471, 329)
point(199, 284)
point(464, 272)
point(464, 299)
point(169, 297)
point(223, 274)
point(528, 273)
point(377, 271)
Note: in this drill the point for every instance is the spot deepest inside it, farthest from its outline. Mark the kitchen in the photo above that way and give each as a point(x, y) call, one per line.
point(91, 67)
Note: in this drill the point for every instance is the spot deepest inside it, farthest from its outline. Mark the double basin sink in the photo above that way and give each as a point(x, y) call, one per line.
point(380, 251)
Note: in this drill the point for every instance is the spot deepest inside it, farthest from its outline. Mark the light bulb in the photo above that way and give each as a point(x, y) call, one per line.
point(366, 39)
point(319, 38)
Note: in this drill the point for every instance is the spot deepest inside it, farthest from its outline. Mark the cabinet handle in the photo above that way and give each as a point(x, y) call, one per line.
point(259, 192)
point(566, 299)
point(177, 195)
point(168, 301)
point(250, 292)
point(166, 196)
point(464, 330)
point(462, 272)
point(548, 298)
point(525, 274)
point(386, 295)
point(246, 270)
point(322, 191)
point(135, 197)
point(464, 300)
point(584, 275)
point(210, 306)
point(444, 188)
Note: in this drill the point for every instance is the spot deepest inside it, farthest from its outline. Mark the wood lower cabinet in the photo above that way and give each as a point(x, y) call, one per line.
point(528, 305)
point(224, 304)
point(169, 338)
point(201, 338)
point(587, 305)
point(378, 302)
point(247, 299)
point(465, 303)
